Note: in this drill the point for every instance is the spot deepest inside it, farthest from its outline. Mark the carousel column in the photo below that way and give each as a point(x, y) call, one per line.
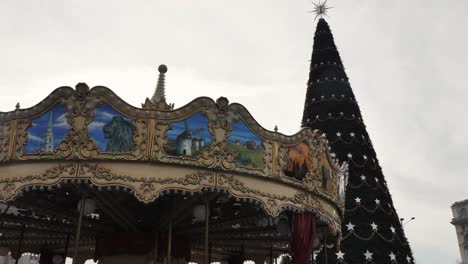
point(78, 230)
point(271, 254)
point(207, 214)
point(20, 245)
point(209, 254)
point(156, 245)
point(67, 244)
point(169, 240)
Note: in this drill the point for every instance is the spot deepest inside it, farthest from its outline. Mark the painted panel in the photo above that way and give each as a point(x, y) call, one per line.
point(299, 161)
point(111, 131)
point(189, 136)
point(47, 131)
point(246, 146)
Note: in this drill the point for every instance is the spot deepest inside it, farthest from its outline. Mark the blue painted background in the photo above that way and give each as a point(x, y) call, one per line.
point(103, 114)
point(39, 126)
point(241, 133)
point(198, 126)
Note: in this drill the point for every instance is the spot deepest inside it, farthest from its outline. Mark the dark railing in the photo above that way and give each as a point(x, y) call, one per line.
point(460, 220)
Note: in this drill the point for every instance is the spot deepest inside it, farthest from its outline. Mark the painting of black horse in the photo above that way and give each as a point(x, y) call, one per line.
point(119, 135)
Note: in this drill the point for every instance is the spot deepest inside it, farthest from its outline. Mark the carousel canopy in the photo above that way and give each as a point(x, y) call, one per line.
point(93, 138)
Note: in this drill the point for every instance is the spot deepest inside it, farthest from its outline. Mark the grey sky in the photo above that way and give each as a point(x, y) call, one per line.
point(406, 60)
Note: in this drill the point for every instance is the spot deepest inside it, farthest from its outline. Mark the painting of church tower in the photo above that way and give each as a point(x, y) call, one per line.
point(47, 131)
point(48, 138)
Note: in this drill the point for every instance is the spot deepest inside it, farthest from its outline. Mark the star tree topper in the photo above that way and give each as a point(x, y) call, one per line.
point(320, 9)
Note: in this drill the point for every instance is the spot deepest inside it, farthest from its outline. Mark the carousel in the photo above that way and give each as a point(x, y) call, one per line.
point(86, 176)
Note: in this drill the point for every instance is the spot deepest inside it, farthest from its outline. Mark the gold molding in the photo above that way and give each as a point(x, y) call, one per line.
point(148, 180)
point(151, 124)
point(5, 134)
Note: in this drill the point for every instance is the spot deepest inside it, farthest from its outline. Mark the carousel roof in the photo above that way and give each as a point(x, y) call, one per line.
point(90, 141)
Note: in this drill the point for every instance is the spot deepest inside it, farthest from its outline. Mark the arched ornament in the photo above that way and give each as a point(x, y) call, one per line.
point(258, 174)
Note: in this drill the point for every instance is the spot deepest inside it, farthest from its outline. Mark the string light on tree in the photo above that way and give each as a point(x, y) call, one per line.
point(350, 226)
point(368, 255)
point(340, 255)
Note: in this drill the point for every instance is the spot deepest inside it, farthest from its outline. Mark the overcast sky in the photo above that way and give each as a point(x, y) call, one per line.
point(406, 59)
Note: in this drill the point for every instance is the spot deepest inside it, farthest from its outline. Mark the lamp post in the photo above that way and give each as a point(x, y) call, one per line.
point(403, 223)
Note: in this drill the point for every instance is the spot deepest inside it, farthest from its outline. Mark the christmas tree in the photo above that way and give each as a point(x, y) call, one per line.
point(371, 229)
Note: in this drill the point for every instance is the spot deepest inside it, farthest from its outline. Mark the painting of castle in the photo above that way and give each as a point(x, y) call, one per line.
point(111, 131)
point(299, 162)
point(188, 137)
point(47, 131)
point(246, 146)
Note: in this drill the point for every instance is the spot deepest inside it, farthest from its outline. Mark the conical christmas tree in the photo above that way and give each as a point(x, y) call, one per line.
point(372, 231)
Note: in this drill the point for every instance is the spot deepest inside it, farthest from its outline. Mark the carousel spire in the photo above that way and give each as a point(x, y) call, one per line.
point(159, 93)
point(331, 107)
point(158, 100)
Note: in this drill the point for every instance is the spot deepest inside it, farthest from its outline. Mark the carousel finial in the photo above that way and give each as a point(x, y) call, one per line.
point(158, 101)
point(159, 93)
point(320, 9)
point(17, 106)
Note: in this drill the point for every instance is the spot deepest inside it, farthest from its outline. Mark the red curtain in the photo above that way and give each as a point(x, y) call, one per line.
point(302, 237)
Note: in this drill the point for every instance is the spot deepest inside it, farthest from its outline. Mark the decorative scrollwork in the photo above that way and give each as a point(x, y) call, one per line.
point(159, 140)
point(274, 202)
point(151, 126)
point(5, 129)
point(9, 186)
point(281, 159)
point(77, 143)
point(22, 127)
point(146, 189)
point(140, 138)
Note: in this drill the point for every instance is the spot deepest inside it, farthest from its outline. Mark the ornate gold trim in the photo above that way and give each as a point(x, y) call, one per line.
point(5, 129)
point(9, 186)
point(150, 137)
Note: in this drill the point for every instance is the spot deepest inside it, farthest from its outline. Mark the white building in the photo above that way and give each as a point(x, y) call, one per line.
point(460, 221)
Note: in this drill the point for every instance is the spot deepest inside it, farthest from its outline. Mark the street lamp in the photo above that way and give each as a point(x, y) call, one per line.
point(404, 223)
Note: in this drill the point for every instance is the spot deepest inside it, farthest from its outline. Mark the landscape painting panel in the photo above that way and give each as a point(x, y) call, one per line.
point(299, 162)
point(188, 137)
point(246, 146)
point(111, 131)
point(47, 131)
